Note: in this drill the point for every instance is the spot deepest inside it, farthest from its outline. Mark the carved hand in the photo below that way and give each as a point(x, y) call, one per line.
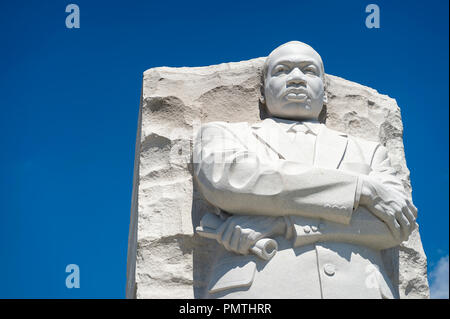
point(239, 233)
point(390, 206)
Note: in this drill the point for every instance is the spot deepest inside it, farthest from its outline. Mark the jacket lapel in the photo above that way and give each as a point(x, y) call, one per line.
point(330, 148)
point(275, 138)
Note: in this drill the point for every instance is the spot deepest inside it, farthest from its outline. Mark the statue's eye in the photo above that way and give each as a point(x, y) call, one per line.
point(310, 70)
point(280, 69)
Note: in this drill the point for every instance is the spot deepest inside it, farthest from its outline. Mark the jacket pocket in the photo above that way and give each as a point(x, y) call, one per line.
point(232, 272)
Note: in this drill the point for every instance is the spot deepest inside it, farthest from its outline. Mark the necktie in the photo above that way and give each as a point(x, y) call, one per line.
point(305, 139)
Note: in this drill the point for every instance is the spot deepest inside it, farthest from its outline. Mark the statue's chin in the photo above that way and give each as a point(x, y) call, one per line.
point(295, 111)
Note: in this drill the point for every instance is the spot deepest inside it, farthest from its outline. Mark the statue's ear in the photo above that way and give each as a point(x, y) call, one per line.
point(325, 98)
point(262, 99)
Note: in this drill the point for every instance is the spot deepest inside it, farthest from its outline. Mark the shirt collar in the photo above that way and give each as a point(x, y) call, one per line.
point(288, 125)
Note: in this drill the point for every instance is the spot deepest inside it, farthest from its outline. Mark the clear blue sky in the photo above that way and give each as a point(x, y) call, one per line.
point(69, 104)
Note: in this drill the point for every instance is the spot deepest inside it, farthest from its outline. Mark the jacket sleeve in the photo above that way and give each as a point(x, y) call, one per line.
point(384, 172)
point(364, 228)
point(232, 176)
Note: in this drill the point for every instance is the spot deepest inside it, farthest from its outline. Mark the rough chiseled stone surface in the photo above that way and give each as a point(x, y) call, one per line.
point(165, 258)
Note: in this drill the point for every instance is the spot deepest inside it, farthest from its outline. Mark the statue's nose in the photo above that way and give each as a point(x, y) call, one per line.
point(296, 77)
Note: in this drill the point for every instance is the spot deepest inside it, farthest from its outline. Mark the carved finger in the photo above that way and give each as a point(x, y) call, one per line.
point(389, 219)
point(404, 224)
point(244, 244)
point(410, 216)
point(396, 229)
point(235, 238)
point(222, 228)
point(411, 207)
point(254, 237)
point(401, 220)
point(227, 235)
point(379, 212)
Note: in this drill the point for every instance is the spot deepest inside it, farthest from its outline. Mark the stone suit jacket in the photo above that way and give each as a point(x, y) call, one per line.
point(332, 246)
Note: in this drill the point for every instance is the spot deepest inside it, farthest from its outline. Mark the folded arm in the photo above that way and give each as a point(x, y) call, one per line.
point(383, 216)
point(232, 177)
point(383, 194)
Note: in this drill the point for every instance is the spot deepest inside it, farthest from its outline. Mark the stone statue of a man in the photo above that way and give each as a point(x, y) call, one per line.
point(302, 210)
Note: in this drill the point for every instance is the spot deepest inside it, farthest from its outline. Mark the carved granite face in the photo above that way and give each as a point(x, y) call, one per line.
point(293, 86)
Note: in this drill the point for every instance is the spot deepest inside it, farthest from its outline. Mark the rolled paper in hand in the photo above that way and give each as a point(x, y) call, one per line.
point(264, 248)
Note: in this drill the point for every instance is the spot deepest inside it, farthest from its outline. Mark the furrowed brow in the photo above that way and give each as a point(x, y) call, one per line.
point(302, 63)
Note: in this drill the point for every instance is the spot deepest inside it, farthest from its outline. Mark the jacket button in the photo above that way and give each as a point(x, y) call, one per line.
point(306, 229)
point(329, 269)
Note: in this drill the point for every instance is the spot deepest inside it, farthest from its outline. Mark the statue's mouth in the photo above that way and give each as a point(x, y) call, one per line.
point(296, 94)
